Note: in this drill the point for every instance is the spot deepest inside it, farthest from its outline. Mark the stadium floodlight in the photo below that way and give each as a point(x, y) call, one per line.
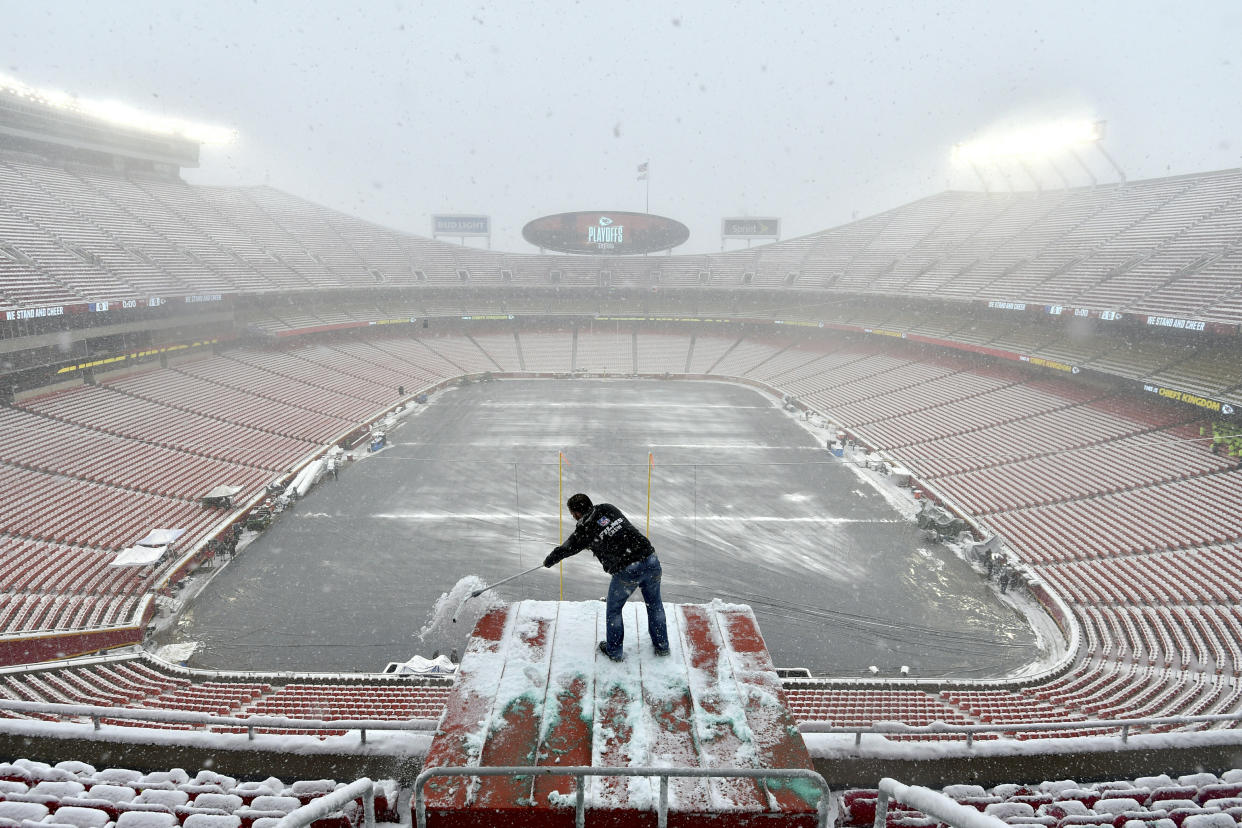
point(1033, 142)
point(119, 114)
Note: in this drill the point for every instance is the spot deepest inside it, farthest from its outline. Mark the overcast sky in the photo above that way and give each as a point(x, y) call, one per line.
point(814, 112)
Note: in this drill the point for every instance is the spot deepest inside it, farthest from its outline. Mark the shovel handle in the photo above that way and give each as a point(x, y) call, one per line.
point(479, 592)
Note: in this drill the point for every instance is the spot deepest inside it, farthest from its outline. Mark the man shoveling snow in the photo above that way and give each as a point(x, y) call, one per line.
point(628, 557)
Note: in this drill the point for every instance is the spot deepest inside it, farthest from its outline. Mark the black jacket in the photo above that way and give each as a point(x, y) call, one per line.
point(609, 535)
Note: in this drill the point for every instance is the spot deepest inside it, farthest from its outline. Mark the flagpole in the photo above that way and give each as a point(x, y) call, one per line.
point(644, 175)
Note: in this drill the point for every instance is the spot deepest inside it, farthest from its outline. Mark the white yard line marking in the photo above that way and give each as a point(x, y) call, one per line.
point(811, 519)
point(593, 404)
point(562, 444)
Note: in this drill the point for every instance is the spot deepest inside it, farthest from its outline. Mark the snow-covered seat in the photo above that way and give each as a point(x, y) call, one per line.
point(13, 773)
point(50, 801)
point(1217, 820)
point(1141, 794)
point(8, 786)
point(1198, 780)
point(172, 777)
point(1056, 786)
point(218, 801)
point(1033, 799)
point(143, 806)
point(1180, 815)
point(117, 776)
point(1086, 797)
point(308, 789)
point(61, 790)
point(112, 793)
point(110, 808)
point(1063, 808)
point(17, 811)
point(1007, 810)
point(387, 792)
point(1221, 803)
point(249, 816)
point(1116, 805)
point(1160, 781)
point(265, 822)
point(959, 791)
point(978, 802)
point(158, 796)
point(1173, 804)
point(251, 789)
point(79, 769)
point(1085, 819)
point(146, 819)
point(1172, 792)
point(1218, 790)
point(284, 804)
point(1163, 822)
point(860, 805)
point(42, 770)
point(206, 777)
point(1142, 815)
point(81, 817)
point(186, 811)
point(212, 821)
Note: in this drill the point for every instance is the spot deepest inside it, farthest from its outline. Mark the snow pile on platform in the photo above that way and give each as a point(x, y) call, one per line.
point(455, 613)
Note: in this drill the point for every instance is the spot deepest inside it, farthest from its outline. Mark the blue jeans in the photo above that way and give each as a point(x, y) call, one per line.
point(644, 574)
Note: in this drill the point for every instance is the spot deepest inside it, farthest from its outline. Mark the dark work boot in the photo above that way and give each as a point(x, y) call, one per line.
point(603, 648)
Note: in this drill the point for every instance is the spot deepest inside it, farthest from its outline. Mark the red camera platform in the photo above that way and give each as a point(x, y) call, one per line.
point(533, 689)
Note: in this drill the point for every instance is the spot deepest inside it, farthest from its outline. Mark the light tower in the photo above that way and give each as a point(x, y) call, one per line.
point(1031, 145)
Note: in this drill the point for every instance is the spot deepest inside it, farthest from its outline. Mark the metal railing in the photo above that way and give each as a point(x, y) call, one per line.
point(152, 714)
point(932, 803)
point(579, 772)
point(251, 676)
point(97, 713)
point(326, 805)
point(969, 730)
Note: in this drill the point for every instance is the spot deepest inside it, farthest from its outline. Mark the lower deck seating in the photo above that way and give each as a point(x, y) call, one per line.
point(1197, 800)
point(133, 681)
point(81, 795)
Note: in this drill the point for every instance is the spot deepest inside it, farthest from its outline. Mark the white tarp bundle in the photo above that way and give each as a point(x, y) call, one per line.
point(139, 556)
point(440, 665)
point(148, 550)
point(177, 653)
point(308, 477)
point(160, 537)
point(220, 492)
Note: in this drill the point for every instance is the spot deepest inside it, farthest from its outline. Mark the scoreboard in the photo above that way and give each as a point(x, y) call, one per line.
point(605, 232)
